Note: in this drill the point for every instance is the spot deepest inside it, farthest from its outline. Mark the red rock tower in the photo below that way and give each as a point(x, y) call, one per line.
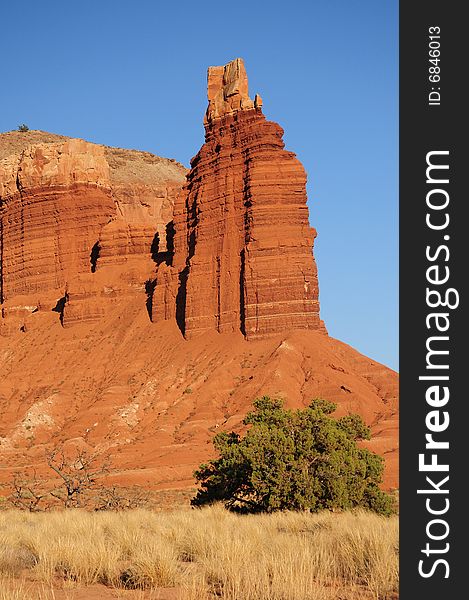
point(242, 244)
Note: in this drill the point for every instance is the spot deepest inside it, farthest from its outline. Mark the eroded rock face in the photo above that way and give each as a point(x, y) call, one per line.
point(243, 243)
point(80, 224)
point(55, 199)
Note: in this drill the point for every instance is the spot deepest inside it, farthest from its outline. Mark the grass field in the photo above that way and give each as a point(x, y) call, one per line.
point(198, 554)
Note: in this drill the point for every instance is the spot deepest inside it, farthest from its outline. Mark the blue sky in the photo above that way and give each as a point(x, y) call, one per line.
point(133, 74)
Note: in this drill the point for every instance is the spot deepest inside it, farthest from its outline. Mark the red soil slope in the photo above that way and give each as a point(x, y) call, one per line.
point(153, 400)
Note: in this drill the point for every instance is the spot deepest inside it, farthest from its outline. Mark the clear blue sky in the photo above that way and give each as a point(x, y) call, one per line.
point(133, 74)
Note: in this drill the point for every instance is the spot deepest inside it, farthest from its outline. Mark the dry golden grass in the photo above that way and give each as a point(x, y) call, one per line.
point(203, 553)
point(14, 590)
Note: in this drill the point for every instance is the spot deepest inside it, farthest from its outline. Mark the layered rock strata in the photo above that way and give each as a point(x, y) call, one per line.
point(80, 223)
point(54, 201)
point(243, 244)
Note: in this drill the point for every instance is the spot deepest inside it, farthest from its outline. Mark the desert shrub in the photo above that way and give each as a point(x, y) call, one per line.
point(78, 475)
point(29, 493)
point(80, 482)
point(117, 499)
point(23, 127)
point(294, 460)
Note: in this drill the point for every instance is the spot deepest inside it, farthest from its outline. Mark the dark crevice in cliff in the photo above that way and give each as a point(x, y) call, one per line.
point(19, 185)
point(150, 285)
point(60, 307)
point(192, 240)
point(184, 274)
point(94, 256)
point(155, 247)
point(242, 311)
point(167, 255)
point(181, 300)
point(192, 224)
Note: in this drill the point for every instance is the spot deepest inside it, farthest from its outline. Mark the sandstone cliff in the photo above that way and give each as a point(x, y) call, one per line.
point(242, 247)
point(78, 222)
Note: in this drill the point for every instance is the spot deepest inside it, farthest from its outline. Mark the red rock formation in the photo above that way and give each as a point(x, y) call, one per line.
point(55, 199)
point(82, 229)
point(243, 244)
point(80, 223)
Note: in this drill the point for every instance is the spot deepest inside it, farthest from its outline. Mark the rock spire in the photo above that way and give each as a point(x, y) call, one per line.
point(243, 244)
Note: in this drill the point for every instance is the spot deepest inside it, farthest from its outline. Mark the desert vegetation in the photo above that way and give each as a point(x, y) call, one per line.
point(78, 481)
point(202, 553)
point(294, 460)
point(291, 510)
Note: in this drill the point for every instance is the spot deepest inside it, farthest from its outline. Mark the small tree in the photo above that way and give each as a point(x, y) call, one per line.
point(30, 493)
point(294, 460)
point(23, 127)
point(79, 474)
